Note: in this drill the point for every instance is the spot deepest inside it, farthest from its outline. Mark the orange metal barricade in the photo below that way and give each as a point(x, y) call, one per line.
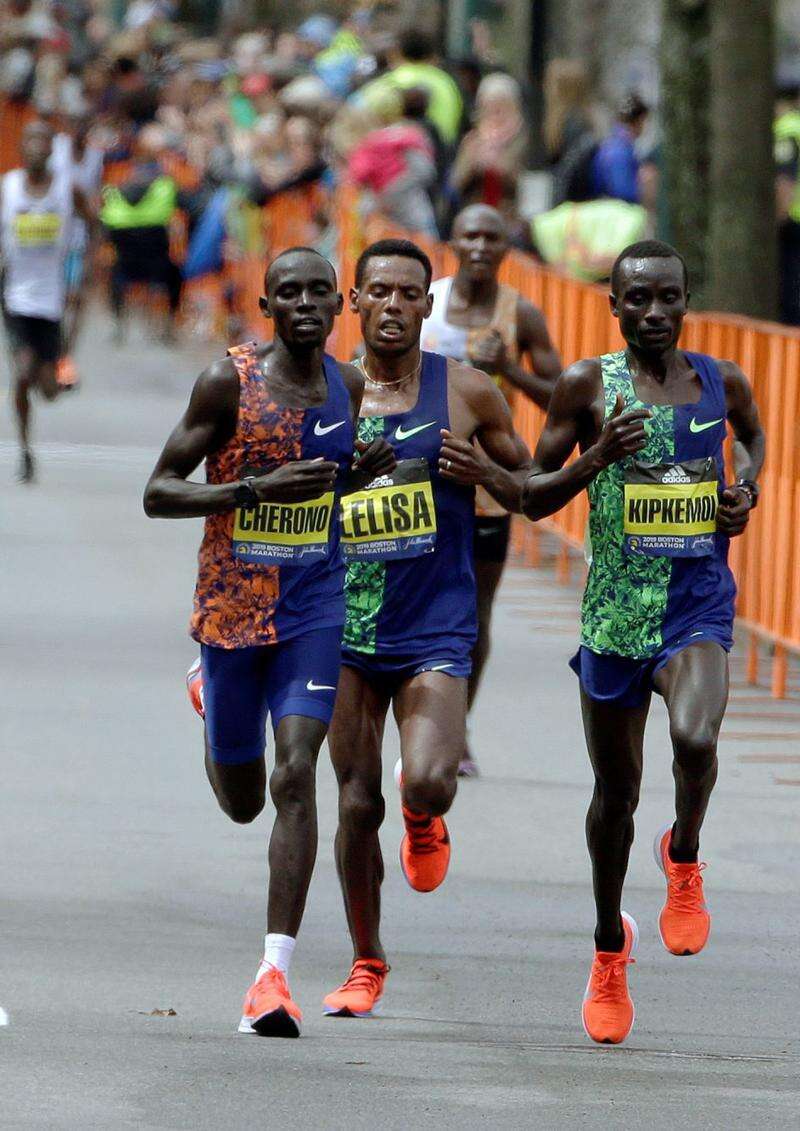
point(766, 560)
point(14, 116)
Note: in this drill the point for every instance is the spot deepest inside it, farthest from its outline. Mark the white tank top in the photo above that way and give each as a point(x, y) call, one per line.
point(439, 335)
point(35, 233)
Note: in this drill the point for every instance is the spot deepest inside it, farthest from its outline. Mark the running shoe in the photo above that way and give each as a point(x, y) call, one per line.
point(468, 767)
point(684, 923)
point(608, 1011)
point(268, 1007)
point(424, 850)
point(66, 374)
point(194, 685)
point(361, 993)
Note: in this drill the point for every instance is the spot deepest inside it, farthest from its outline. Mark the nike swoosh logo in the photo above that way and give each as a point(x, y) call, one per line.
point(320, 430)
point(402, 434)
point(695, 427)
point(311, 686)
point(440, 667)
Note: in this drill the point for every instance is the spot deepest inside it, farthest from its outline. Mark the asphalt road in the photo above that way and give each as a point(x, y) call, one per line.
point(123, 889)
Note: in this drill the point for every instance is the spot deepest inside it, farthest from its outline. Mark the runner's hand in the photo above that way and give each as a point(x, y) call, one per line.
point(296, 481)
point(460, 461)
point(376, 458)
point(489, 353)
point(623, 433)
point(733, 513)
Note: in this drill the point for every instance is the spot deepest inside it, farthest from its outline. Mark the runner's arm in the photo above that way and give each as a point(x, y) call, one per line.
point(574, 417)
point(748, 449)
point(534, 340)
point(502, 455)
point(208, 423)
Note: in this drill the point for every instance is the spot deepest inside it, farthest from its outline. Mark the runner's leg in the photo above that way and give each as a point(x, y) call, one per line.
point(694, 684)
point(293, 844)
point(355, 740)
point(24, 365)
point(487, 579)
point(614, 736)
point(431, 711)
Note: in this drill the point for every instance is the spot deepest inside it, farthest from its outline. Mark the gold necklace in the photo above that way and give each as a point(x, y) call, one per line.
point(391, 384)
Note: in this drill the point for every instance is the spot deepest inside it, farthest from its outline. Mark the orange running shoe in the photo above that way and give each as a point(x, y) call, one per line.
point(194, 685)
point(361, 993)
point(66, 373)
point(424, 850)
point(608, 1011)
point(268, 1007)
point(684, 923)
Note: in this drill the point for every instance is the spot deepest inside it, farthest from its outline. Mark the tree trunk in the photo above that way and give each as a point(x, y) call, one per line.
point(683, 203)
point(741, 249)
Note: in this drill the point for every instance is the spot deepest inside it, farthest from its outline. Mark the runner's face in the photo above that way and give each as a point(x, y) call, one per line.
point(302, 300)
point(37, 144)
point(650, 303)
point(479, 241)
point(392, 303)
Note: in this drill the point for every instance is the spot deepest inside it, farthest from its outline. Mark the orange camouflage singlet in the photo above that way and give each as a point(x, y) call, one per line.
point(241, 600)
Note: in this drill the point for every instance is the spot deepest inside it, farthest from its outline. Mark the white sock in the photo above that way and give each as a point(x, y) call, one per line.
point(277, 952)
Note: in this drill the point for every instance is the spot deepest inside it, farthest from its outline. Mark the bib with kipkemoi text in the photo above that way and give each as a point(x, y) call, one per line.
point(37, 229)
point(393, 517)
point(296, 534)
point(671, 509)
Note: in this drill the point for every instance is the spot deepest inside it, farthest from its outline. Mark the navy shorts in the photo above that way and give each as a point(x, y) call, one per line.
point(491, 537)
point(388, 672)
point(627, 683)
point(41, 336)
point(241, 686)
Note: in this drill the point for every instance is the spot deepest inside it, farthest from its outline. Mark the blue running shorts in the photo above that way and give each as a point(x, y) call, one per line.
point(241, 686)
point(627, 683)
point(388, 672)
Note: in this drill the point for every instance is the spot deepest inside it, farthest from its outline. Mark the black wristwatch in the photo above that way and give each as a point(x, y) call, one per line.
point(751, 489)
point(244, 495)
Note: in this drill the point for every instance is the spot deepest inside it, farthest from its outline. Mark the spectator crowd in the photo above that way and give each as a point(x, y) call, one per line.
point(216, 127)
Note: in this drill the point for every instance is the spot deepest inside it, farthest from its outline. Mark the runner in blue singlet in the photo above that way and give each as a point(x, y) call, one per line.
point(410, 596)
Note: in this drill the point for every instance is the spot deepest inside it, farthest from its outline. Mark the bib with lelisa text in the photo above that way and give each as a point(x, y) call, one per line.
point(671, 509)
point(284, 533)
point(393, 517)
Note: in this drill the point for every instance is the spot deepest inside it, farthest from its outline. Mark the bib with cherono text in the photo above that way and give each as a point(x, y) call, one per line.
point(295, 534)
point(393, 517)
point(671, 508)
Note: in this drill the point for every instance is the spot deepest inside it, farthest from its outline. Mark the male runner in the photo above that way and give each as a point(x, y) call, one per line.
point(37, 211)
point(477, 320)
point(275, 425)
point(73, 156)
point(410, 592)
point(659, 603)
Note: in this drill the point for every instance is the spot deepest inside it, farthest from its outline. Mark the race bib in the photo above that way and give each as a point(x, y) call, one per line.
point(295, 534)
point(671, 509)
point(37, 229)
point(393, 517)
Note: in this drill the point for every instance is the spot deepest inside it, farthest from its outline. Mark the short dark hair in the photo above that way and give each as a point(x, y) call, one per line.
point(647, 249)
point(294, 251)
point(403, 248)
point(416, 45)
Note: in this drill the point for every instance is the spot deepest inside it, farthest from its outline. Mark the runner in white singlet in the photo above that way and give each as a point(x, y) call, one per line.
point(37, 211)
point(482, 322)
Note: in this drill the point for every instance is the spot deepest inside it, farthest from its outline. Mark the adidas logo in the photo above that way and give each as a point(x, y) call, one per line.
point(381, 481)
point(676, 474)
